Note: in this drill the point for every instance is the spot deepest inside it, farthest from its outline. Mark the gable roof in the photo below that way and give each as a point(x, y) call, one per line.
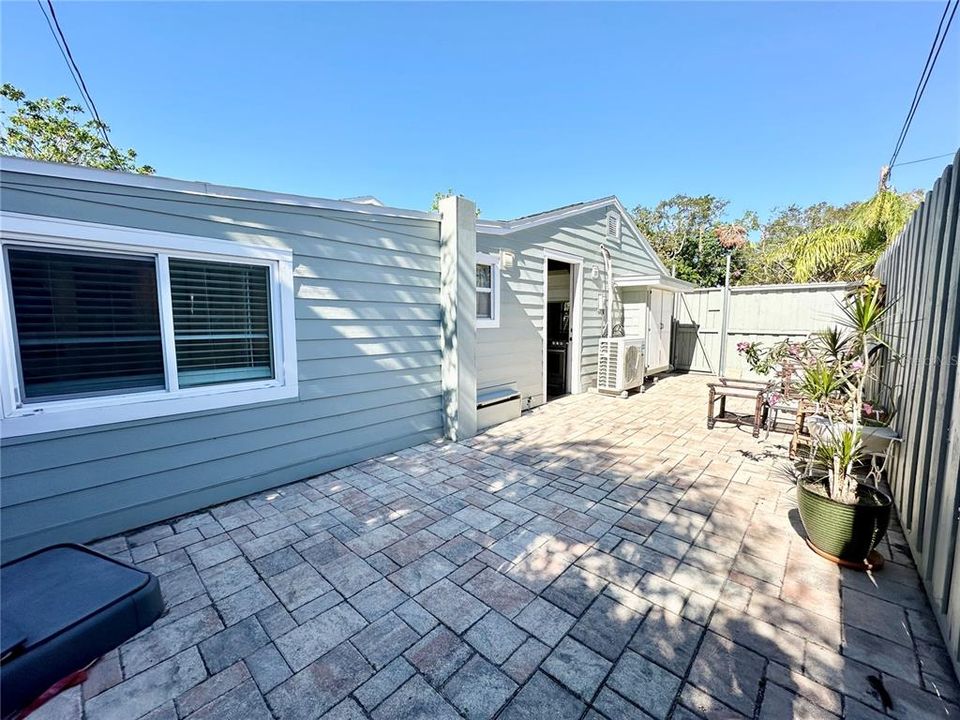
point(504, 227)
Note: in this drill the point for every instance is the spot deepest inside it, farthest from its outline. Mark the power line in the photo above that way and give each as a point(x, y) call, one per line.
point(927, 71)
point(926, 159)
point(64, 47)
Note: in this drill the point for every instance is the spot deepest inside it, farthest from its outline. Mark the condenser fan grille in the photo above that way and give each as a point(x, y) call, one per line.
point(620, 363)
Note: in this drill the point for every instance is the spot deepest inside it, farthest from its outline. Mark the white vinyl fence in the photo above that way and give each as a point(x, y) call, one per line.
point(709, 323)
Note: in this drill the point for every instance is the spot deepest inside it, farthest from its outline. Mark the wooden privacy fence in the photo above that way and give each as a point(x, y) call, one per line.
point(921, 271)
point(706, 335)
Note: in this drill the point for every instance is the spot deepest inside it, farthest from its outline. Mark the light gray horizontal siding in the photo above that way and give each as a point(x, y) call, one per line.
point(513, 353)
point(368, 351)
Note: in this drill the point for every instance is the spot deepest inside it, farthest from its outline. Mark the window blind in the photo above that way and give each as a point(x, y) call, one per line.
point(484, 291)
point(86, 324)
point(221, 320)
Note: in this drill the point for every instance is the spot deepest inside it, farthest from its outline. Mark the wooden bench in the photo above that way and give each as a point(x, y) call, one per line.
point(728, 387)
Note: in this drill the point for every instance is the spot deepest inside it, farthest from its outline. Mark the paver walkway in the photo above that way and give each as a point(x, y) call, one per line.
point(595, 558)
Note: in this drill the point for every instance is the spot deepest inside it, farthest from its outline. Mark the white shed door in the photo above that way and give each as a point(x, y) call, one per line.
point(659, 313)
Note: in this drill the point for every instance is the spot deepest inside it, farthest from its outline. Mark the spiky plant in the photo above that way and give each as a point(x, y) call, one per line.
point(837, 455)
point(822, 384)
point(833, 344)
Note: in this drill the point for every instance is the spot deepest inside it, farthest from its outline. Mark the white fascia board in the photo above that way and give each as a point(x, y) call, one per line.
point(190, 187)
point(505, 227)
point(659, 282)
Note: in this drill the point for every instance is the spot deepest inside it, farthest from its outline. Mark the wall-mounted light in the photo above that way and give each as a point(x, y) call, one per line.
point(507, 258)
point(594, 272)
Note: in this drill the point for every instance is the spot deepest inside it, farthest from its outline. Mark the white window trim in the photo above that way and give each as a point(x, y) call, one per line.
point(494, 262)
point(23, 230)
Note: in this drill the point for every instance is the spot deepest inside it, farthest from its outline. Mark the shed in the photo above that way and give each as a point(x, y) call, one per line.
point(541, 299)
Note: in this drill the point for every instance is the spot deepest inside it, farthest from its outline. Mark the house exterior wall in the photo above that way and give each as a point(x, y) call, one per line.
point(512, 354)
point(367, 305)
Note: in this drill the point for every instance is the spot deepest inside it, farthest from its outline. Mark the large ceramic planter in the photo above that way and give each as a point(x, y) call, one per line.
point(845, 532)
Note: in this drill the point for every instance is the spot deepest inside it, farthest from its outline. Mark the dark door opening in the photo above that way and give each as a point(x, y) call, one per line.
point(558, 338)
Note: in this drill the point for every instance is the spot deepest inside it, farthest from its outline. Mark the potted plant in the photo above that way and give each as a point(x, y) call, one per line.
point(845, 516)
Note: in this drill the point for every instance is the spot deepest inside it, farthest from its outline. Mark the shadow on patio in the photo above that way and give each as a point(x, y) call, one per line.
point(595, 558)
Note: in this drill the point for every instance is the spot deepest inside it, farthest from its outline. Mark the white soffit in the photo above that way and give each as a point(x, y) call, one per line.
point(656, 280)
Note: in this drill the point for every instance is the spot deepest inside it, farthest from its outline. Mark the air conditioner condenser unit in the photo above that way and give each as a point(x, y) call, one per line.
point(621, 364)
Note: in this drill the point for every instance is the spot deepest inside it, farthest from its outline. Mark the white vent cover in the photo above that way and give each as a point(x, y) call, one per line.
point(620, 364)
point(613, 226)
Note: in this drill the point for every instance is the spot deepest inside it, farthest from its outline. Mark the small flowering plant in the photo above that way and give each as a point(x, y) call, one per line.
point(834, 367)
point(764, 361)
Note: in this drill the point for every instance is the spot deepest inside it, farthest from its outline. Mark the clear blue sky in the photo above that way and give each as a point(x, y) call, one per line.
point(520, 107)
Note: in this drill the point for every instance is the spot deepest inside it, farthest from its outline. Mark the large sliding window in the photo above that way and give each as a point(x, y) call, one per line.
point(136, 324)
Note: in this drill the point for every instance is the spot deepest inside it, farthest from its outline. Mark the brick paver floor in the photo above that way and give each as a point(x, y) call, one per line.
point(597, 558)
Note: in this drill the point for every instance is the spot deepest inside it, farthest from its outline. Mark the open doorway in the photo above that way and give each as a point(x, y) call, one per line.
point(561, 342)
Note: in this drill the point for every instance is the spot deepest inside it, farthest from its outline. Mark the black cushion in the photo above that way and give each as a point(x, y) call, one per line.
point(62, 608)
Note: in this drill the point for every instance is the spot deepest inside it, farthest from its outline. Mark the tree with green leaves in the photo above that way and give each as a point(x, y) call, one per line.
point(823, 242)
point(690, 234)
point(55, 130)
point(848, 249)
point(768, 262)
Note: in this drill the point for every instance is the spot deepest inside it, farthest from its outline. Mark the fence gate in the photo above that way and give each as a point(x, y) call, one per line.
point(756, 313)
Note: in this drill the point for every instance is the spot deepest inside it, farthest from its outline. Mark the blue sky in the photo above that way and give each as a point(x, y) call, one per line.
point(520, 107)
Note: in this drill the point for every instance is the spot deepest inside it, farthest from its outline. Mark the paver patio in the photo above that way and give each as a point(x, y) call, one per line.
point(597, 558)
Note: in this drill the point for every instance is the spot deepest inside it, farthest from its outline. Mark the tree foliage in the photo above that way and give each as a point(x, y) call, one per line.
point(849, 248)
point(818, 243)
point(686, 232)
point(57, 130)
point(438, 196)
point(823, 242)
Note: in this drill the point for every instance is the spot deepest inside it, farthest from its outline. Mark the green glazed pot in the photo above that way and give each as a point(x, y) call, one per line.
point(847, 532)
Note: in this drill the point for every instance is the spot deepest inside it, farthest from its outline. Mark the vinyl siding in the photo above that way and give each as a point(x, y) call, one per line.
point(512, 355)
point(368, 351)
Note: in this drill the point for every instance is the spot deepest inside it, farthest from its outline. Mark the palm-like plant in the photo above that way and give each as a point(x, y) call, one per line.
point(821, 383)
point(850, 248)
point(833, 344)
point(845, 377)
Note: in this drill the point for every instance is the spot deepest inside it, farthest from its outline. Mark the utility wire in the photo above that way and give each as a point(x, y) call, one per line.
point(923, 73)
point(932, 56)
point(926, 159)
point(64, 47)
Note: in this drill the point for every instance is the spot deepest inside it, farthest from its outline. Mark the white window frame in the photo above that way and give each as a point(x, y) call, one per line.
point(494, 262)
point(37, 232)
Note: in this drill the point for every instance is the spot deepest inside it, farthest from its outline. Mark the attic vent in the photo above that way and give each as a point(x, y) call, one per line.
point(613, 226)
